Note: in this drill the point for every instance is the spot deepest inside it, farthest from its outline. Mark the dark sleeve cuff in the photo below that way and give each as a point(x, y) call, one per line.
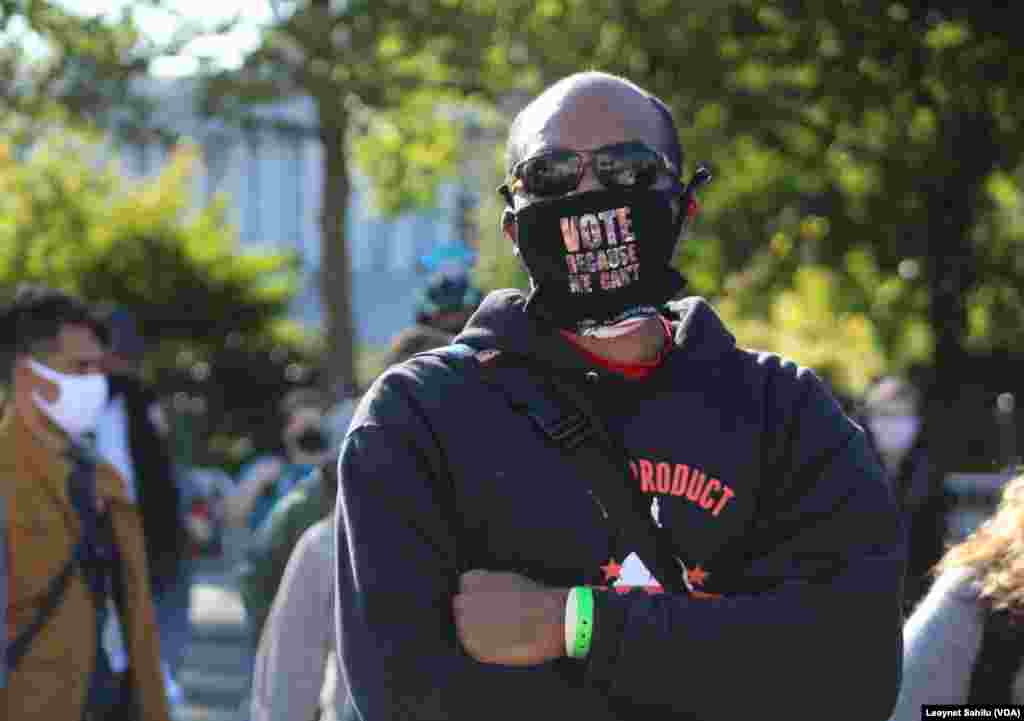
point(609, 628)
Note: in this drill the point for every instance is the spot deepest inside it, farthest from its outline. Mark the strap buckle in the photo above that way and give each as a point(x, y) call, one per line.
point(569, 431)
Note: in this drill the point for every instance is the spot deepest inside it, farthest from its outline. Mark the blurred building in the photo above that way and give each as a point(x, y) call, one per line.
point(269, 167)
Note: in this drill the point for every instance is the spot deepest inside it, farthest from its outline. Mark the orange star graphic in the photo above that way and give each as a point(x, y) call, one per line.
point(698, 575)
point(611, 570)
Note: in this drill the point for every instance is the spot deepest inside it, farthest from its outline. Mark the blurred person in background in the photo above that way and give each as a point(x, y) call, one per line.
point(305, 444)
point(267, 553)
point(413, 340)
point(296, 674)
point(286, 584)
point(442, 308)
point(964, 643)
point(286, 480)
point(338, 416)
point(80, 617)
point(891, 414)
point(269, 549)
point(406, 343)
point(448, 300)
point(133, 436)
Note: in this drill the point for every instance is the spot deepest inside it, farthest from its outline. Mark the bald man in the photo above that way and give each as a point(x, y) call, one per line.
point(740, 556)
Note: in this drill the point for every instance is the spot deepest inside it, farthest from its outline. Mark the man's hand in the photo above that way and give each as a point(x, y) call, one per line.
point(507, 619)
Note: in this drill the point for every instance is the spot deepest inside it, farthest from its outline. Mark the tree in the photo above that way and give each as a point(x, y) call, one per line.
point(214, 315)
point(61, 67)
point(877, 139)
point(79, 64)
point(903, 117)
point(66, 223)
point(391, 67)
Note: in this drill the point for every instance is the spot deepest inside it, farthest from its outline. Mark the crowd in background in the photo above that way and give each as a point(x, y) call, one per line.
point(283, 500)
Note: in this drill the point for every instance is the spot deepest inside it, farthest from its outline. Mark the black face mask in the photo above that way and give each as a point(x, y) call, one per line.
point(312, 441)
point(600, 257)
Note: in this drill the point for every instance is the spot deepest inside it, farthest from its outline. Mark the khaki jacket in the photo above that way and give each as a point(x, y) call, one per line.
point(51, 681)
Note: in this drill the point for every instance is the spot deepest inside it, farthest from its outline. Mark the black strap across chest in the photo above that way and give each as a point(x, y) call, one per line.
point(567, 418)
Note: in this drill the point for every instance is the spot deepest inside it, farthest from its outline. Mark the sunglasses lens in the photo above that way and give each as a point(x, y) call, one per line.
point(551, 174)
point(627, 166)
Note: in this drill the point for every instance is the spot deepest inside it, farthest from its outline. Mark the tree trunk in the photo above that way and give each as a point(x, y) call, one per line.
point(954, 199)
point(949, 283)
point(335, 272)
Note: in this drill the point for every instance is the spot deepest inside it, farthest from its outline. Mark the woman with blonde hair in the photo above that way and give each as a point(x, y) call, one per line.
point(965, 642)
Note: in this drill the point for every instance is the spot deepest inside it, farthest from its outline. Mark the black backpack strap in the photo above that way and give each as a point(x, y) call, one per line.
point(566, 417)
point(99, 552)
point(999, 658)
point(55, 591)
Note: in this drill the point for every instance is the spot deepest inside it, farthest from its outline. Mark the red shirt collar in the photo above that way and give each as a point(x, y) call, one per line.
point(630, 371)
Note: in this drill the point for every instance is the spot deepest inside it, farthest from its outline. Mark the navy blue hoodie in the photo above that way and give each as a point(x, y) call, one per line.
point(748, 461)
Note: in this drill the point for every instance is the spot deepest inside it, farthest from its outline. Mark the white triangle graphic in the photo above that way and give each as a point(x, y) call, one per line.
point(635, 573)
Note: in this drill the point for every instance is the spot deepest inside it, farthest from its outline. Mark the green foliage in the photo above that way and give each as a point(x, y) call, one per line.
point(880, 142)
point(386, 78)
point(221, 347)
point(898, 127)
point(804, 323)
point(408, 150)
point(497, 266)
point(50, 58)
point(71, 222)
point(61, 65)
point(395, 79)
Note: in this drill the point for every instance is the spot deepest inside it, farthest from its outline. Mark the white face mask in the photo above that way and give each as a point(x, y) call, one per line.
point(894, 434)
point(615, 331)
point(80, 401)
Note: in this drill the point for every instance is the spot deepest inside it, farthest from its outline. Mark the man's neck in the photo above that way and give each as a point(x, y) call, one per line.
point(642, 345)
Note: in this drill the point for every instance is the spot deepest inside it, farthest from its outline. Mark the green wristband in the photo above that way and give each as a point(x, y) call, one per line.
point(584, 621)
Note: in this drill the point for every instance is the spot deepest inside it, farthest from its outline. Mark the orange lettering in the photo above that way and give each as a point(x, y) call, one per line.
point(679, 481)
point(726, 495)
point(664, 474)
point(646, 476)
point(705, 500)
point(695, 486)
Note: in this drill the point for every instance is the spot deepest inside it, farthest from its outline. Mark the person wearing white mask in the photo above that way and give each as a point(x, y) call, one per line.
point(891, 414)
point(80, 620)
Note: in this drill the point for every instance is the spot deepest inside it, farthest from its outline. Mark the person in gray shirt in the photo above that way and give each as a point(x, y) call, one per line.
point(296, 674)
point(942, 639)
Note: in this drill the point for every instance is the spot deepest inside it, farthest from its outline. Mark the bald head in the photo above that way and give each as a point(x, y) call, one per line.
point(589, 110)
